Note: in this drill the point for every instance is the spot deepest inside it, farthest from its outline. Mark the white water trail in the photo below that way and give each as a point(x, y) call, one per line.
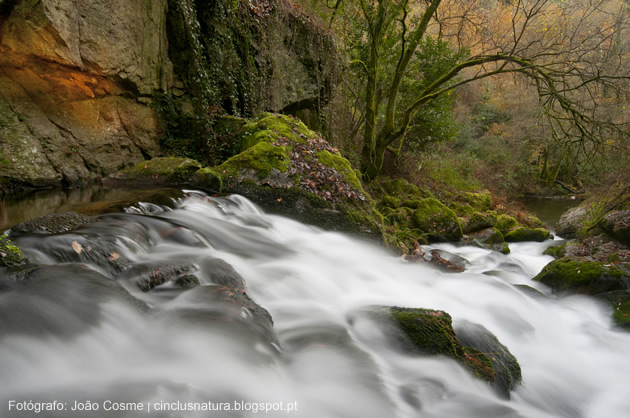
point(334, 361)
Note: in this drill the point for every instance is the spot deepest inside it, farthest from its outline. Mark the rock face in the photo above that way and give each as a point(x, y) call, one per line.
point(79, 79)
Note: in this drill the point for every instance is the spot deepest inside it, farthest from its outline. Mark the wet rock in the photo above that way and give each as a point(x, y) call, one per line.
point(228, 309)
point(52, 224)
point(430, 332)
point(60, 300)
point(179, 276)
point(506, 368)
point(479, 221)
point(490, 238)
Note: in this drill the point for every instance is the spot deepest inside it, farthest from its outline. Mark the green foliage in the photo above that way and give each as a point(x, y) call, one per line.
point(10, 254)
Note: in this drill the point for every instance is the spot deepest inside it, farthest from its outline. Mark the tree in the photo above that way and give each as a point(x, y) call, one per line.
point(571, 52)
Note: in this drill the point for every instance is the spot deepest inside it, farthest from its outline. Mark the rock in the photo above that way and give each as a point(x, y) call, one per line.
point(225, 308)
point(436, 220)
point(620, 302)
point(490, 238)
point(430, 332)
point(445, 265)
point(571, 222)
point(523, 234)
point(207, 179)
point(158, 171)
point(506, 368)
point(178, 275)
point(478, 221)
point(52, 224)
point(588, 277)
point(617, 225)
point(505, 223)
point(290, 170)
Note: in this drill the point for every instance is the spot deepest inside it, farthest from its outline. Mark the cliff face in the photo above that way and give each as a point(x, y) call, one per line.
point(77, 77)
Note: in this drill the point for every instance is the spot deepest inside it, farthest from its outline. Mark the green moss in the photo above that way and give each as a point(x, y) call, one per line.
point(10, 254)
point(208, 178)
point(478, 221)
point(505, 223)
point(479, 201)
point(431, 332)
point(523, 234)
point(432, 216)
point(390, 202)
point(342, 166)
point(4, 162)
point(587, 277)
point(262, 158)
point(556, 251)
point(461, 208)
point(164, 169)
point(271, 127)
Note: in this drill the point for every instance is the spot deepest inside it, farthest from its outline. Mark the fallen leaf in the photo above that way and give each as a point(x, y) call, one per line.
point(279, 199)
point(77, 247)
point(114, 256)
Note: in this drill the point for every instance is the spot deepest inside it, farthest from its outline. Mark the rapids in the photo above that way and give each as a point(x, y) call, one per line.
point(79, 329)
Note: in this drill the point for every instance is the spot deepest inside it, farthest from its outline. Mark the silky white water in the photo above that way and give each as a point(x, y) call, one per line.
point(69, 337)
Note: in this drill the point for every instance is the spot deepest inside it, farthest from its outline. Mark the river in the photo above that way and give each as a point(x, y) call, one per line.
point(80, 331)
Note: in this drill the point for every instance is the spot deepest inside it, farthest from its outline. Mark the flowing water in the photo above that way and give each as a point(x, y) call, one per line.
point(80, 329)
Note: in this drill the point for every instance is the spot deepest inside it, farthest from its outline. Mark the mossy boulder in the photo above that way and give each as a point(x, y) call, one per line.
point(523, 234)
point(556, 251)
point(270, 127)
point(391, 202)
point(10, 254)
point(435, 219)
point(430, 332)
point(478, 221)
point(588, 277)
point(289, 169)
point(481, 201)
point(505, 223)
point(160, 170)
point(208, 179)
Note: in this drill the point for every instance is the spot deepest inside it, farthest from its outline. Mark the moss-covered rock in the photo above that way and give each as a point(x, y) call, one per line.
point(260, 159)
point(391, 202)
point(505, 223)
point(435, 219)
point(208, 179)
point(10, 254)
point(289, 169)
point(161, 170)
point(481, 201)
point(430, 332)
point(523, 234)
point(556, 251)
point(478, 221)
point(587, 277)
